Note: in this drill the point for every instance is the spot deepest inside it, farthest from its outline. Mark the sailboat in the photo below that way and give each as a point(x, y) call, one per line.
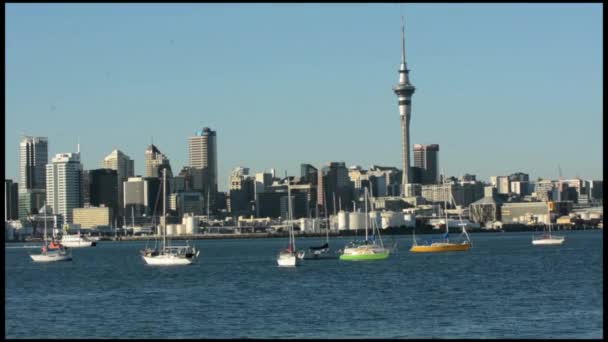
point(322, 252)
point(368, 249)
point(548, 238)
point(169, 255)
point(443, 245)
point(51, 251)
point(289, 257)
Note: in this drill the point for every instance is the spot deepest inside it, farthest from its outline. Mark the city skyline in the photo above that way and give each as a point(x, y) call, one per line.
point(322, 99)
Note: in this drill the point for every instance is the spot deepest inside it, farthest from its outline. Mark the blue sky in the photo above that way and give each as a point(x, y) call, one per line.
point(500, 87)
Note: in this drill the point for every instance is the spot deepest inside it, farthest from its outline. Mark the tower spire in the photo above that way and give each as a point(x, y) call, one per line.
point(402, 41)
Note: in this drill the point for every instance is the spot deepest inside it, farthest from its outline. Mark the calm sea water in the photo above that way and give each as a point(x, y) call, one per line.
point(502, 288)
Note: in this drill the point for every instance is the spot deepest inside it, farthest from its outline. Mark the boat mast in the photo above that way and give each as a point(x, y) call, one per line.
point(292, 240)
point(366, 215)
point(445, 209)
point(45, 239)
point(164, 208)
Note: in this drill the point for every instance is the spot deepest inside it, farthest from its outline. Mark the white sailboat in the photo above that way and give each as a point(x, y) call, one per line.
point(288, 257)
point(169, 255)
point(548, 238)
point(53, 251)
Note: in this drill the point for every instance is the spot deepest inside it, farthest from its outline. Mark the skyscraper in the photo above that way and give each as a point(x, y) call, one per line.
point(202, 154)
point(155, 162)
point(425, 157)
point(124, 167)
point(64, 184)
point(335, 188)
point(404, 91)
point(11, 200)
point(33, 157)
point(103, 189)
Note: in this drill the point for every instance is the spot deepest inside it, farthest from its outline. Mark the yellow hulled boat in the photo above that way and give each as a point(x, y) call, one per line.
point(441, 247)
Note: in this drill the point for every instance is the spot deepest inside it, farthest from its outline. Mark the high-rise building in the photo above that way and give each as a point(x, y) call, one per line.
point(334, 188)
point(519, 176)
point(33, 157)
point(426, 158)
point(11, 200)
point(64, 184)
point(125, 168)
point(203, 155)
point(142, 197)
point(404, 91)
point(156, 162)
point(308, 174)
point(103, 189)
point(86, 188)
point(242, 191)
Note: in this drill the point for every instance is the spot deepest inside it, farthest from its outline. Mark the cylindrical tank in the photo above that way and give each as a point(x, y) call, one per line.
point(356, 221)
point(595, 216)
point(188, 223)
point(343, 220)
point(170, 229)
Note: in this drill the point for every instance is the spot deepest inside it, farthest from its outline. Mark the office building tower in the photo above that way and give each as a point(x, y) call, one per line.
point(156, 162)
point(519, 177)
point(125, 168)
point(188, 203)
point(404, 91)
point(64, 184)
point(142, 197)
point(426, 158)
point(93, 217)
point(33, 157)
point(86, 191)
point(308, 174)
point(242, 192)
point(103, 189)
point(11, 200)
point(334, 188)
point(203, 155)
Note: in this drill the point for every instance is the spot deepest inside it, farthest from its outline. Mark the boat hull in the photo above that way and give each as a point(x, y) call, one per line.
point(78, 244)
point(355, 254)
point(287, 261)
point(552, 241)
point(50, 258)
point(166, 260)
point(448, 247)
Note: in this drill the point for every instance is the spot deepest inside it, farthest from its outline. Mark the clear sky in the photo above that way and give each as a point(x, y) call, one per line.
point(500, 87)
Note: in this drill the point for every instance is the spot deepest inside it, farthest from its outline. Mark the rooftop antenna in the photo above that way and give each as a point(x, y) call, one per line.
point(560, 172)
point(78, 145)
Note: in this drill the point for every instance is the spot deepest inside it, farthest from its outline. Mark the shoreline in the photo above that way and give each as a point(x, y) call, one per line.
point(265, 235)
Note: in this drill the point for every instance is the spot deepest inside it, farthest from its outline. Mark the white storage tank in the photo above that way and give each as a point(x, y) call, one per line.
point(375, 217)
point(343, 220)
point(595, 216)
point(189, 223)
point(171, 230)
point(356, 221)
